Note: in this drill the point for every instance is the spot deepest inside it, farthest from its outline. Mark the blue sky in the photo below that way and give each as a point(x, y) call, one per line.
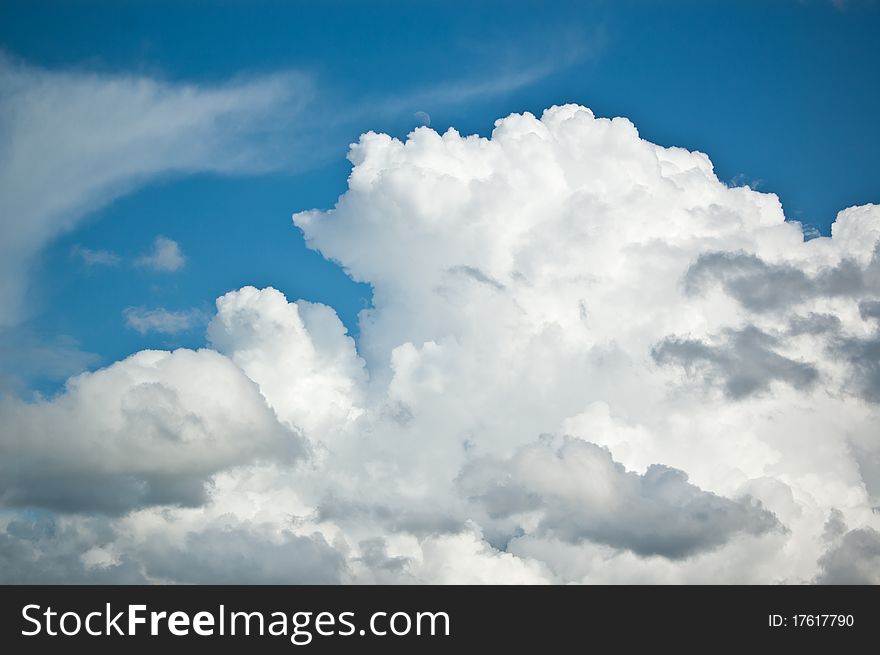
point(781, 95)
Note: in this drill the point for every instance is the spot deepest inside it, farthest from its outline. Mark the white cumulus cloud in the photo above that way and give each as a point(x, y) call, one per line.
point(587, 360)
point(151, 429)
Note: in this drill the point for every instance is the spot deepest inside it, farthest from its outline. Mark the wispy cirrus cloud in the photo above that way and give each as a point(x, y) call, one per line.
point(98, 257)
point(76, 140)
point(501, 69)
point(162, 320)
point(25, 356)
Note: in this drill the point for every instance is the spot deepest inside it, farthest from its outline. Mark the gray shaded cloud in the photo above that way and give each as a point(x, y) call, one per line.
point(754, 283)
point(109, 493)
point(853, 559)
point(762, 287)
point(39, 550)
point(869, 309)
point(867, 458)
point(835, 526)
point(743, 363)
point(814, 324)
point(241, 554)
point(150, 430)
point(582, 494)
point(36, 550)
point(385, 568)
point(421, 521)
point(863, 356)
point(477, 275)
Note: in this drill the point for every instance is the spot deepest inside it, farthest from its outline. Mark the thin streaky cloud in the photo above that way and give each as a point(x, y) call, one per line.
point(115, 133)
point(507, 73)
point(95, 257)
point(161, 320)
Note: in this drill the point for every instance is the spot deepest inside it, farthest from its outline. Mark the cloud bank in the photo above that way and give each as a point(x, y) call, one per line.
point(588, 360)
